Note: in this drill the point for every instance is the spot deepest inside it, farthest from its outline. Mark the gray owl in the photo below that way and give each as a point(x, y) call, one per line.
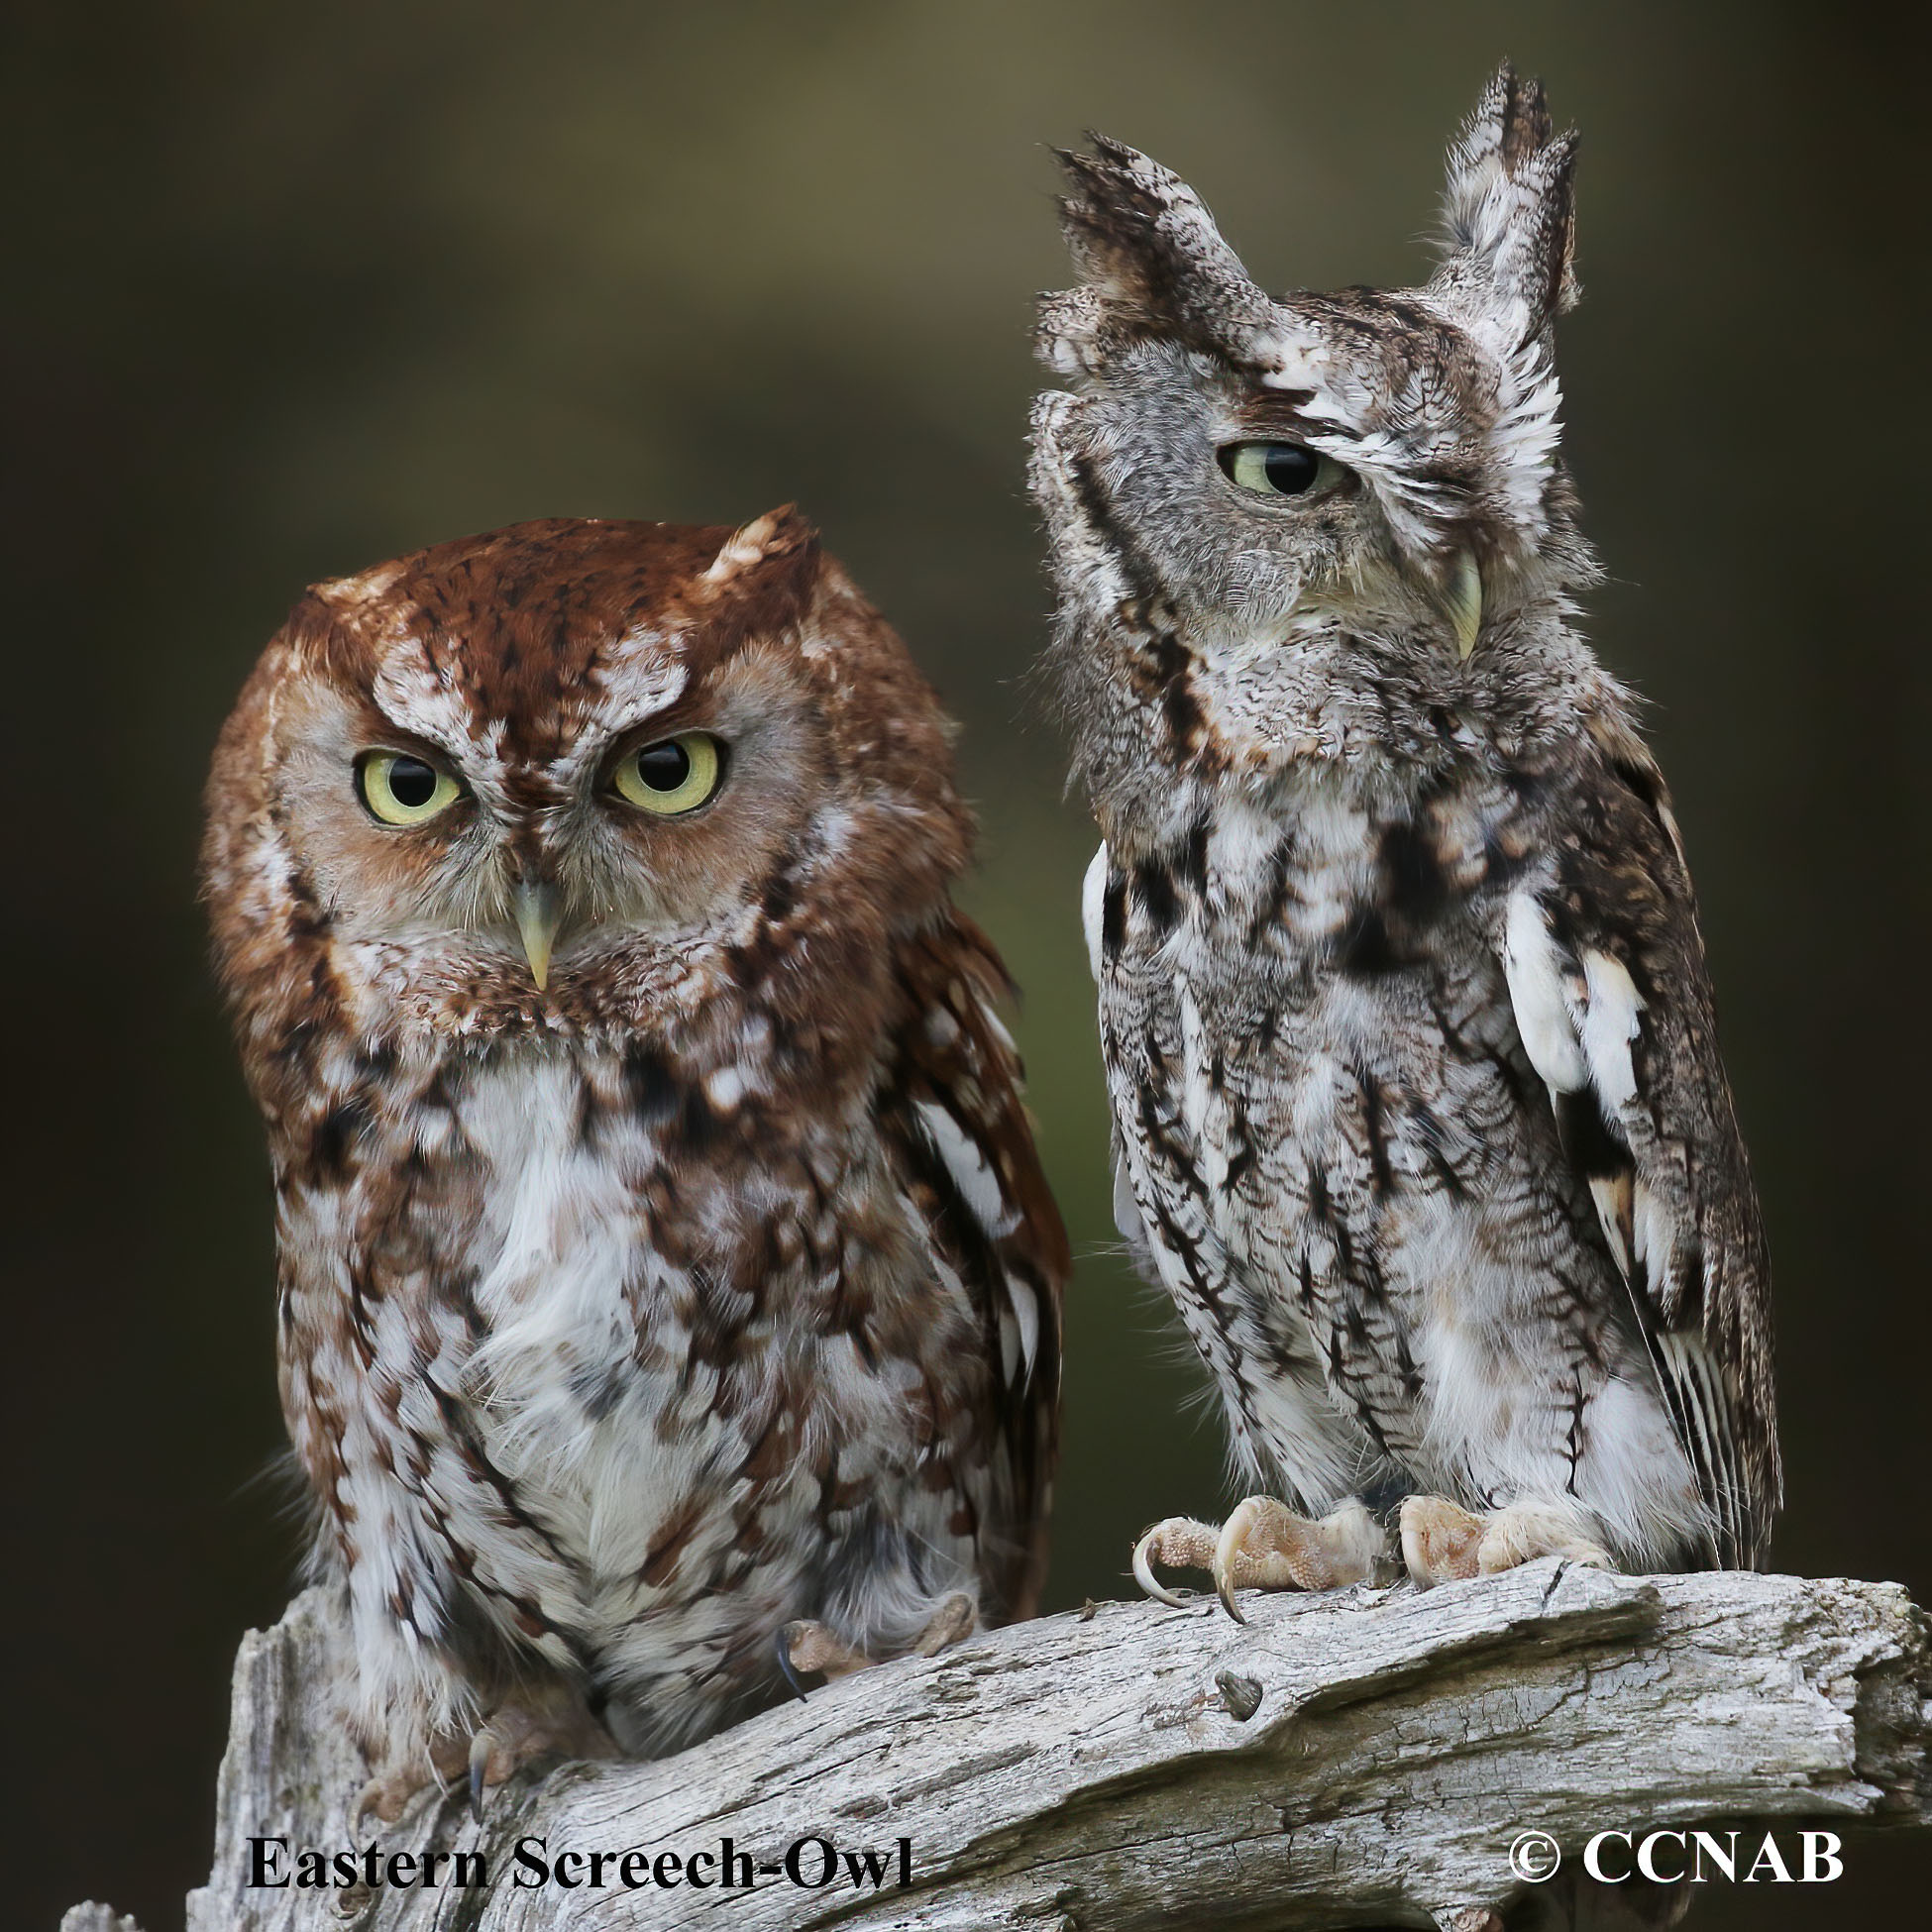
point(1418, 1108)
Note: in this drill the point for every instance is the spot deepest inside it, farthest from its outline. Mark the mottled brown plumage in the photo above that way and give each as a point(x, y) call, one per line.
point(664, 1257)
point(1418, 1113)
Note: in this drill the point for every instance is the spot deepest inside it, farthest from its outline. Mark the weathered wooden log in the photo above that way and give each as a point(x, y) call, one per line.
point(1367, 1756)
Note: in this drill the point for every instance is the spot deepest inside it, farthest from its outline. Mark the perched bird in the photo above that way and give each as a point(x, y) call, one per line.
point(1418, 1108)
point(670, 1295)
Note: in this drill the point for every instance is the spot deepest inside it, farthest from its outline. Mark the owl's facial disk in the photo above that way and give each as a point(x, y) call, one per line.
point(549, 777)
point(645, 825)
point(1263, 514)
point(666, 777)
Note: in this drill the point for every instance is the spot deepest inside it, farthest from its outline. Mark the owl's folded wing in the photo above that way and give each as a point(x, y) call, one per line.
point(957, 1126)
point(1612, 998)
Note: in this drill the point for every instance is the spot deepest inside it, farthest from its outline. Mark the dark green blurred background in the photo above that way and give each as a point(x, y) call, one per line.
point(296, 289)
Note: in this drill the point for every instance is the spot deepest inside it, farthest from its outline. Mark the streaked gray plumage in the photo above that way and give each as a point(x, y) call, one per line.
point(1418, 1104)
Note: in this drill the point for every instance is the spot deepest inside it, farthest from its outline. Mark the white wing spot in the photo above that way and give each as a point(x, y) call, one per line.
point(1608, 1025)
point(1093, 894)
point(1534, 968)
point(1026, 1307)
point(976, 1183)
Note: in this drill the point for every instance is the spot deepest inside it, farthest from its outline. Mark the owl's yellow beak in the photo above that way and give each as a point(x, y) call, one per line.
point(1462, 599)
point(539, 912)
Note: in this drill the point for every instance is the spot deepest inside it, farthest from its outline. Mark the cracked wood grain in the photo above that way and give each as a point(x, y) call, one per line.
point(1376, 1756)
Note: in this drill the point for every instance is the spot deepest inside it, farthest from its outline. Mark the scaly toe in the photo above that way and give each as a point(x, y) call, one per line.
point(950, 1624)
point(1175, 1543)
point(386, 1795)
point(1440, 1540)
point(810, 1646)
point(515, 1735)
point(1530, 1528)
point(1266, 1546)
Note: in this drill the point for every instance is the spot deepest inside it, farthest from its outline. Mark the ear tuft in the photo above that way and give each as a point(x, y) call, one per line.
point(779, 533)
point(1136, 230)
point(1509, 215)
point(1149, 257)
point(369, 587)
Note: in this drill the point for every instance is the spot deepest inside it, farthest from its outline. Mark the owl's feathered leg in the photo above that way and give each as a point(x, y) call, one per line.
point(1263, 1544)
point(806, 1645)
point(1444, 1542)
point(408, 1698)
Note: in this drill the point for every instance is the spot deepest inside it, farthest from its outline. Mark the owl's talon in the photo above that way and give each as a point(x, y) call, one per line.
point(1143, 1575)
point(479, 1751)
point(1264, 1544)
point(1176, 1543)
point(481, 1746)
point(514, 1736)
point(1230, 1546)
point(782, 1641)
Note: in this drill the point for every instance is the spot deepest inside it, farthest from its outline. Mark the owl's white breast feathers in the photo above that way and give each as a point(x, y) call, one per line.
point(565, 1265)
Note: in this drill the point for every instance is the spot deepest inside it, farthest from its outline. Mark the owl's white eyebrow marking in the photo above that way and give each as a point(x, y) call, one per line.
point(640, 665)
point(409, 692)
point(653, 675)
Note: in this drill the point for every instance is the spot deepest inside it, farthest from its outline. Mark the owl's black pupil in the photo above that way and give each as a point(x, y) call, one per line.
point(1289, 468)
point(411, 782)
point(663, 767)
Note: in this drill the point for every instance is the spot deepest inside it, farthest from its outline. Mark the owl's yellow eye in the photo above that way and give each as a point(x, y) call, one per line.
point(672, 775)
point(401, 789)
point(1279, 469)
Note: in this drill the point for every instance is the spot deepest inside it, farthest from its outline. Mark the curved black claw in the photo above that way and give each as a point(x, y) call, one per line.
point(479, 1764)
point(782, 1649)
